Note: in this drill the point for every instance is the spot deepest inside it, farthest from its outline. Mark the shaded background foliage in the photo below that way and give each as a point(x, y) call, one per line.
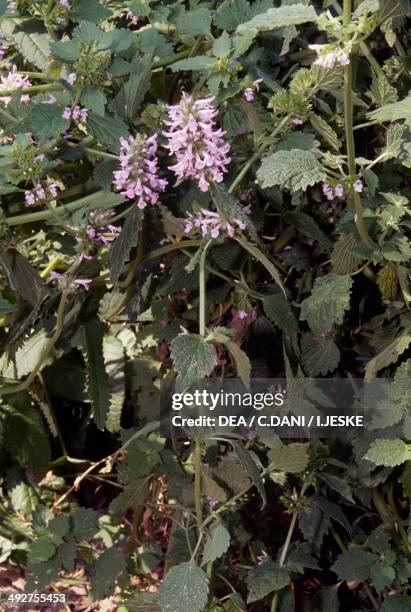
point(313, 280)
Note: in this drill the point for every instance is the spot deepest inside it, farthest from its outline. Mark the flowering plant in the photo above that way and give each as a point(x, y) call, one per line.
point(197, 190)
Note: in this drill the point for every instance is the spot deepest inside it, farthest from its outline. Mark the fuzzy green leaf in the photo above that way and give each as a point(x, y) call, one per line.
point(123, 244)
point(281, 17)
point(115, 363)
point(128, 100)
point(34, 48)
point(354, 564)
point(389, 452)
point(197, 22)
point(294, 170)
point(193, 358)
point(110, 564)
point(200, 62)
point(96, 373)
point(250, 465)
point(321, 357)
point(107, 130)
point(217, 544)
point(326, 305)
point(184, 589)
point(392, 112)
point(264, 579)
point(291, 458)
point(278, 310)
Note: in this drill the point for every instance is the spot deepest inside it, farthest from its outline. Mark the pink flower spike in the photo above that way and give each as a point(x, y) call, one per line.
point(13, 80)
point(358, 186)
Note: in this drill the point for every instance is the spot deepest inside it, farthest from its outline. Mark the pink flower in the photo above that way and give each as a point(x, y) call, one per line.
point(339, 191)
point(66, 4)
point(343, 59)
point(62, 280)
point(12, 7)
point(83, 282)
point(198, 145)
point(211, 224)
point(297, 121)
point(14, 81)
point(249, 94)
point(30, 198)
point(213, 501)
point(131, 17)
point(327, 191)
point(256, 84)
point(77, 114)
point(138, 176)
point(329, 59)
point(358, 186)
point(72, 78)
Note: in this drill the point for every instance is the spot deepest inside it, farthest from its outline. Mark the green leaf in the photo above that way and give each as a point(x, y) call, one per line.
point(193, 358)
point(25, 437)
point(126, 240)
point(217, 544)
point(354, 564)
point(278, 310)
point(65, 51)
point(200, 62)
point(34, 47)
point(197, 22)
point(396, 603)
point(325, 131)
point(107, 130)
point(250, 465)
point(115, 363)
point(281, 17)
point(265, 578)
point(343, 258)
point(337, 484)
point(97, 380)
point(389, 452)
point(27, 356)
point(94, 99)
point(231, 13)
point(388, 355)
point(85, 523)
point(67, 554)
point(307, 226)
point(47, 121)
point(258, 254)
point(382, 576)
point(110, 564)
point(326, 305)
point(40, 550)
point(184, 589)
point(291, 458)
point(294, 170)
point(241, 362)
point(89, 10)
point(128, 100)
point(392, 112)
point(222, 46)
point(319, 358)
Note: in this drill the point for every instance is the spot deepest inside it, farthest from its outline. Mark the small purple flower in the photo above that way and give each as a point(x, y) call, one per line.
point(343, 59)
point(262, 557)
point(339, 191)
point(72, 78)
point(242, 314)
point(138, 176)
point(249, 94)
point(196, 142)
point(13, 80)
point(211, 224)
point(77, 114)
point(251, 434)
point(327, 191)
point(358, 186)
point(67, 113)
point(12, 7)
point(297, 121)
point(83, 282)
point(65, 4)
point(30, 198)
point(131, 17)
point(212, 501)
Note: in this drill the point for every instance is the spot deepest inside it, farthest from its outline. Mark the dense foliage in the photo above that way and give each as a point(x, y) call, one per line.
point(193, 189)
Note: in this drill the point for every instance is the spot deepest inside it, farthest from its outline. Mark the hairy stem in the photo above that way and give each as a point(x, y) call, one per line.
point(349, 137)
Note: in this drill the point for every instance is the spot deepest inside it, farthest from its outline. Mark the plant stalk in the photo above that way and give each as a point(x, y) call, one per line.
point(349, 137)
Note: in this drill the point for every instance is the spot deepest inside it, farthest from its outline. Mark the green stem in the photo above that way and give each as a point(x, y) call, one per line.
point(197, 483)
point(202, 285)
point(33, 89)
point(349, 136)
point(256, 156)
point(286, 545)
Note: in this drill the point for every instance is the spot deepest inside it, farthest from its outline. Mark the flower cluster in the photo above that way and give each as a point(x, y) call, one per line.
point(78, 282)
point(138, 177)
point(211, 224)
point(249, 91)
point(40, 194)
point(328, 59)
point(77, 114)
point(330, 193)
point(197, 144)
point(13, 80)
point(96, 233)
point(129, 15)
point(12, 7)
